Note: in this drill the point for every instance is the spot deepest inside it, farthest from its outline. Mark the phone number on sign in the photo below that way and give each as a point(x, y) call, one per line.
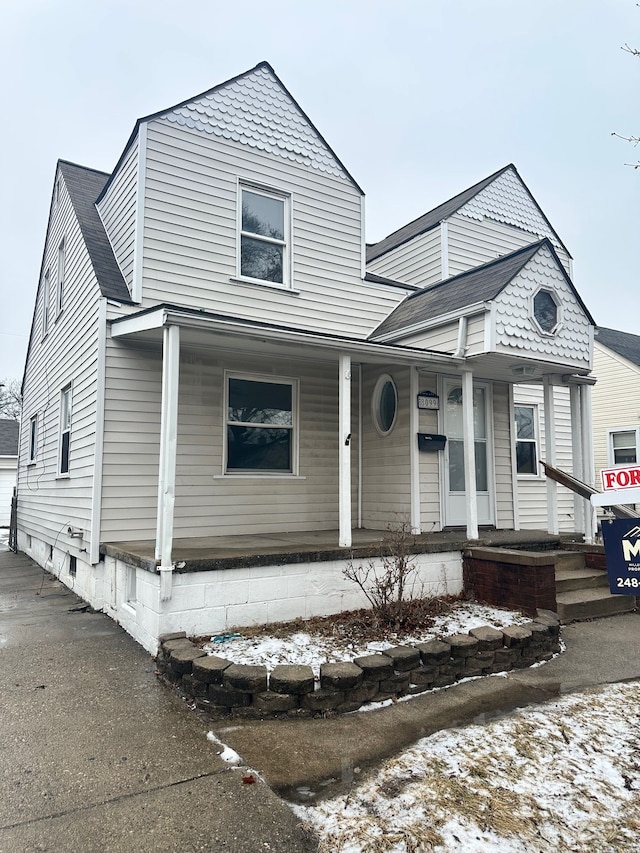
point(633, 583)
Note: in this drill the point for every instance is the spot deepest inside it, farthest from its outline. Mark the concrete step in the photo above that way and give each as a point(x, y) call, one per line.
point(568, 560)
point(591, 603)
point(572, 579)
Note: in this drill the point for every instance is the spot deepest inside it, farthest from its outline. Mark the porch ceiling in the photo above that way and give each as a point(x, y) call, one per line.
point(210, 553)
point(512, 368)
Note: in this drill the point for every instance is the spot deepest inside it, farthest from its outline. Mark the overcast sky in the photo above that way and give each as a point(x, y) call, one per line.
point(419, 99)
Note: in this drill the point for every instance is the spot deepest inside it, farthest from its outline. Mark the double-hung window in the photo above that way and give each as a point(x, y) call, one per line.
point(60, 291)
point(624, 446)
point(33, 439)
point(526, 427)
point(65, 430)
point(264, 236)
point(260, 421)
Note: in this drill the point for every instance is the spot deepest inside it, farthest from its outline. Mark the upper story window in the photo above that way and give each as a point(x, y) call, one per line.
point(546, 311)
point(624, 446)
point(45, 303)
point(526, 424)
point(261, 425)
point(60, 290)
point(264, 241)
point(65, 430)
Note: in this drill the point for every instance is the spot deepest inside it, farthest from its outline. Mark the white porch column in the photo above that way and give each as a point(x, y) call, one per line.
point(469, 455)
point(168, 450)
point(586, 423)
point(577, 454)
point(550, 456)
point(344, 449)
point(414, 454)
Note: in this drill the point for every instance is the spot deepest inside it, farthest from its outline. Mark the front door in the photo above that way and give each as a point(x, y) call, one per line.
point(455, 499)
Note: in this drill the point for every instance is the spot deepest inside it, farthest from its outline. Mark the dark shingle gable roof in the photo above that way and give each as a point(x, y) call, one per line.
point(84, 185)
point(624, 343)
point(480, 284)
point(9, 437)
point(429, 220)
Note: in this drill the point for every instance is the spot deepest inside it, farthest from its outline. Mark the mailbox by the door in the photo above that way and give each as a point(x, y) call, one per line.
point(429, 442)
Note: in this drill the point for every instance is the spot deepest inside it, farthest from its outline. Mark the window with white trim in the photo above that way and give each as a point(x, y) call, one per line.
point(264, 236)
point(45, 303)
point(65, 430)
point(261, 425)
point(624, 445)
point(526, 432)
point(33, 438)
point(60, 286)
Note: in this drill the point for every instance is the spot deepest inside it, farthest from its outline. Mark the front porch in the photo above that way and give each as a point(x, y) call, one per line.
point(212, 553)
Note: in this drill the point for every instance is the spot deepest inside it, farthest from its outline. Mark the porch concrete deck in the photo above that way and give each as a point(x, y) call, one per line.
point(210, 553)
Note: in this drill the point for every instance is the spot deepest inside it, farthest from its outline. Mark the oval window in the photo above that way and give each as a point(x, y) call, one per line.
point(385, 404)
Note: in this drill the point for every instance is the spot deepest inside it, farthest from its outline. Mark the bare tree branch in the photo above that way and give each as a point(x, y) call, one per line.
point(10, 399)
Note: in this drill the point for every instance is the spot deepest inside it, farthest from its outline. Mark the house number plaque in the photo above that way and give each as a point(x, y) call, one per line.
point(428, 400)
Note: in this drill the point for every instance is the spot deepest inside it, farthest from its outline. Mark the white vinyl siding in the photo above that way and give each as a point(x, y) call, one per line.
point(60, 278)
point(117, 210)
point(415, 262)
point(208, 503)
point(502, 456)
point(46, 303)
point(532, 491)
point(617, 388)
point(49, 504)
point(473, 242)
point(430, 504)
point(190, 236)
point(385, 463)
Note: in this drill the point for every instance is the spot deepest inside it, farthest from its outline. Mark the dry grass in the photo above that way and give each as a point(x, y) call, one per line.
point(354, 626)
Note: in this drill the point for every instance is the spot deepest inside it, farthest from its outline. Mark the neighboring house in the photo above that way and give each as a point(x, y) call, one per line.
point(211, 357)
point(9, 430)
point(616, 399)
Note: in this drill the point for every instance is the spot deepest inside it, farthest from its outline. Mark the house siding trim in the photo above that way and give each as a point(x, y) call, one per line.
point(141, 188)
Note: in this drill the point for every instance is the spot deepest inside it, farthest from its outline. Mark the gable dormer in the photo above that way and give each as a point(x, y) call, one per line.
point(494, 217)
point(232, 201)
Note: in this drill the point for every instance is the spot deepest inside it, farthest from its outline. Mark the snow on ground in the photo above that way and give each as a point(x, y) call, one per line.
point(562, 777)
point(302, 648)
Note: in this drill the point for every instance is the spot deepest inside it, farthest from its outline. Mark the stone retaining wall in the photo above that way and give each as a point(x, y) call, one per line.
point(218, 685)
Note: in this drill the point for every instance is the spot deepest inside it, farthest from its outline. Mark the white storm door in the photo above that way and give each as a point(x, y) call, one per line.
point(455, 498)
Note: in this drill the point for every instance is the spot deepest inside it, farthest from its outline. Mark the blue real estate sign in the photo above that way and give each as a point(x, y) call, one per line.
point(622, 550)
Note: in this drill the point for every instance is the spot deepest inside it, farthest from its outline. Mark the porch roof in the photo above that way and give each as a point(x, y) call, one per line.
point(213, 553)
point(197, 328)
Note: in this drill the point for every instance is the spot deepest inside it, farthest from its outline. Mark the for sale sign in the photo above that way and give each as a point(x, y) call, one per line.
point(627, 477)
point(622, 550)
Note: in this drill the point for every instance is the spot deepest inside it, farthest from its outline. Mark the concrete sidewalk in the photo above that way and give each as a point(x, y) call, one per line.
point(96, 754)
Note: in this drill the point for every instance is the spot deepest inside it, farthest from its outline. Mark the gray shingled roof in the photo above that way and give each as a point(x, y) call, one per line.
point(9, 437)
point(84, 185)
point(624, 343)
point(479, 284)
point(429, 220)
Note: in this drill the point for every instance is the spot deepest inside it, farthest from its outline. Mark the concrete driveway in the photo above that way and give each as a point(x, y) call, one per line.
point(96, 755)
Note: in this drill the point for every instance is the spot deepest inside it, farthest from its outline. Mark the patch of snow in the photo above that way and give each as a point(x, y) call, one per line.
point(227, 754)
point(311, 650)
point(565, 776)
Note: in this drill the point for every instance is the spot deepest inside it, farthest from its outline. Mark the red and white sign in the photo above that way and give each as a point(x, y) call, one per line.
point(627, 477)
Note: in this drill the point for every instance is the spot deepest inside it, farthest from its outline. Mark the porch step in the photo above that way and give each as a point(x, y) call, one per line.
point(573, 579)
point(591, 603)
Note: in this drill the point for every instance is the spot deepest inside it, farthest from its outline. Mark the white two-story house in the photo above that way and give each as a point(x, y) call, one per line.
point(214, 370)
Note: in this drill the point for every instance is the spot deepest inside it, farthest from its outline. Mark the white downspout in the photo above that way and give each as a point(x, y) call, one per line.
point(462, 338)
point(344, 450)
point(168, 454)
point(98, 453)
point(414, 453)
point(360, 435)
point(550, 456)
point(469, 454)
